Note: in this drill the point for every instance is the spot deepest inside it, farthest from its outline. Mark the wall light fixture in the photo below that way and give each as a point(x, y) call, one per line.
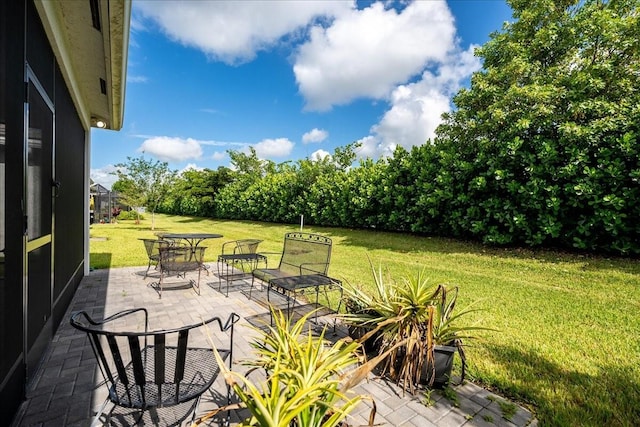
point(99, 123)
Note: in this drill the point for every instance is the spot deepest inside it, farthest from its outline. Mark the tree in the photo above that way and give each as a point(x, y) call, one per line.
point(143, 183)
point(194, 192)
point(543, 146)
point(249, 165)
point(344, 157)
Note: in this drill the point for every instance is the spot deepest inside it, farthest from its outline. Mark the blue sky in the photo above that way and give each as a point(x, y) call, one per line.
point(294, 79)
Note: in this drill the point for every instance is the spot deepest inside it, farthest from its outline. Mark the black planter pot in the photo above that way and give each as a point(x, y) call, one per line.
point(443, 358)
point(371, 344)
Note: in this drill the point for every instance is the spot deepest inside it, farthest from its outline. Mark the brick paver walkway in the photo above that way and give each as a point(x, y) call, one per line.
point(66, 389)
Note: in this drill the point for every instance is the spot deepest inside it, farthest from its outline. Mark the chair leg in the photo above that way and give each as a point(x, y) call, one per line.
point(219, 275)
point(251, 288)
point(147, 272)
point(98, 420)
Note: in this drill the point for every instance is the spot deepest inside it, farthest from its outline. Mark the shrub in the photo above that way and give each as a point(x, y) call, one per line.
point(129, 215)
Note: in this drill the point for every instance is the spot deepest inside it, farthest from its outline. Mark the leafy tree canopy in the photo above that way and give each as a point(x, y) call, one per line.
point(545, 141)
point(143, 183)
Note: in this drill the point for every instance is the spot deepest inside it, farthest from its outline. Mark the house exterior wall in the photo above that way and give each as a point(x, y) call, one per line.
point(24, 41)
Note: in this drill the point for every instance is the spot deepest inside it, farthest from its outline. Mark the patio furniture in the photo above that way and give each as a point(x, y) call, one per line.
point(153, 253)
point(303, 267)
point(192, 239)
point(238, 259)
point(179, 260)
point(154, 377)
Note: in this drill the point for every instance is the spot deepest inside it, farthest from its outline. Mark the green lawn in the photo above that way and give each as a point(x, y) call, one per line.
point(568, 339)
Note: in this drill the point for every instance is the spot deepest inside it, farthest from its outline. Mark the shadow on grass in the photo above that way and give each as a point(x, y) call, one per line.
point(192, 219)
point(563, 396)
point(402, 242)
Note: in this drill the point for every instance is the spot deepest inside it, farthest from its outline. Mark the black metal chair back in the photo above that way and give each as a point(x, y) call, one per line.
point(238, 258)
point(241, 247)
point(179, 260)
point(157, 369)
point(152, 246)
point(305, 253)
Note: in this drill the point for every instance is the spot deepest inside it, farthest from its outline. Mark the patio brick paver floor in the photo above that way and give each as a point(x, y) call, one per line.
point(66, 392)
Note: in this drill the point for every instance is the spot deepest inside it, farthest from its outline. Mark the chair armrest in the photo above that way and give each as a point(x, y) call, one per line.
point(304, 267)
point(231, 320)
point(230, 242)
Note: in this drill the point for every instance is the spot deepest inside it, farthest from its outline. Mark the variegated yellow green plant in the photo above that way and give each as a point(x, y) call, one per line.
point(308, 379)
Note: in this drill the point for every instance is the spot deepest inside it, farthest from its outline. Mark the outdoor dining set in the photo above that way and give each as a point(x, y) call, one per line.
point(161, 374)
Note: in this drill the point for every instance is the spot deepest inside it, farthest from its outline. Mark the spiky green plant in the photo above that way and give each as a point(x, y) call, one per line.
point(403, 314)
point(446, 326)
point(411, 317)
point(308, 379)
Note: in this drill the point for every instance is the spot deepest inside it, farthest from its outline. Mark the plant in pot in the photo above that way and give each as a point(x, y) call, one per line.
point(400, 316)
point(359, 319)
point(448, 335)
point(308, 380)
point(414, 324)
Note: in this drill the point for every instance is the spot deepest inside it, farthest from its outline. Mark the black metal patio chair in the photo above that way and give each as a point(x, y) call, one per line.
point(178, 260)
point(152, 246)
point(238, 259)
point(303, 268)
point(155, 377)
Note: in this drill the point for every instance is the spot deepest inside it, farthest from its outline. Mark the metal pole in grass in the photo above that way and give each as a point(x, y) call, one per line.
point(301, 221)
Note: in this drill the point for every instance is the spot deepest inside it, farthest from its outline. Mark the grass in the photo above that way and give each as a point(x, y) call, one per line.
point(568, 339)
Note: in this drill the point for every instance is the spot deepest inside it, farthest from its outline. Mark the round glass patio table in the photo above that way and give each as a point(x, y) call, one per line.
point(194, 239)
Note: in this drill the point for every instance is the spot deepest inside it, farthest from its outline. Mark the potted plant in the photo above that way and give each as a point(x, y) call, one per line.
point(308, 380)
point(415, 324)
point(401, 314)
point(358, 306)
point(448, 336)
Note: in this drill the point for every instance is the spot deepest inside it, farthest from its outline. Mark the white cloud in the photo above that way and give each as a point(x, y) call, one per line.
point(403, 53)
point(219, 155)
point(209, 110)
point(191, 167)
point(234, 31)
point(170, 149)
point(366, 53)
point(416, 108)
point(222, 143)
point(136, 79)
point(319, 155)
point(414, 116)
point(268, 148)
point(104, 176)
point(136, 23)
point(373, 147)
point(315, 135)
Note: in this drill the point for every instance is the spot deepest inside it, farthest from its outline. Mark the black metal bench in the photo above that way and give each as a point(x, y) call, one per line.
point(304, 266)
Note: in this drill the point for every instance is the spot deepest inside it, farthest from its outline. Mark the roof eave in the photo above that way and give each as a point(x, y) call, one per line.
point(83, 60)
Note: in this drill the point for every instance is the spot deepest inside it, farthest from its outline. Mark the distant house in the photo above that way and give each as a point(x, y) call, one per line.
point(62, 72)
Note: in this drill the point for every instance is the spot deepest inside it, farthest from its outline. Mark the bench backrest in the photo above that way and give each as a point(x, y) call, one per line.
point(305, 253)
